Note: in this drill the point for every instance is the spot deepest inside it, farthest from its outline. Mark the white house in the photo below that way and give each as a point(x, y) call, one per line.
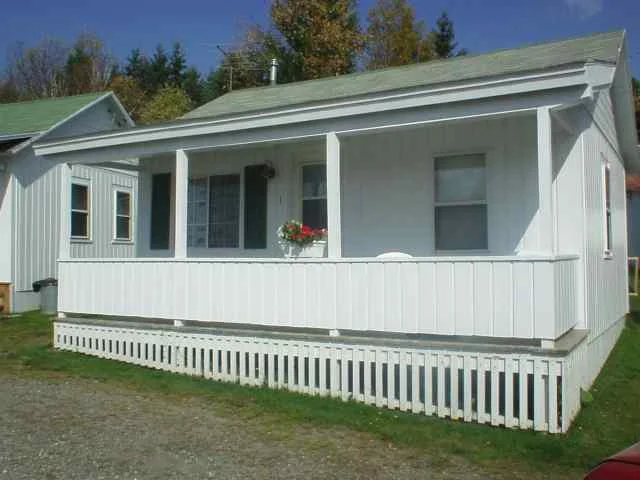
point(30, 189)
point(498, 177)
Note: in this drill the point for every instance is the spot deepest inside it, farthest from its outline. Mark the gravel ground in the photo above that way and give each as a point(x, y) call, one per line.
point(86, 430)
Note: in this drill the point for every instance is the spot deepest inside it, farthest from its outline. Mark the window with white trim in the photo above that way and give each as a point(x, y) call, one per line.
point(80, 209)
point(122, 225)
point(606, 202)
point(314, 195)
point(213, 212)
point(460, 203)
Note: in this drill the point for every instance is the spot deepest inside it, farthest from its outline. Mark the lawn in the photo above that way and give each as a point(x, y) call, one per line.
point(605, 425)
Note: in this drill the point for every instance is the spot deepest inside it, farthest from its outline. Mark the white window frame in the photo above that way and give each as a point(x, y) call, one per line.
point(121, 189)
point(85, 182)
point(484, 202)
point(300, 187)
point(607, 227)
point(208, 176)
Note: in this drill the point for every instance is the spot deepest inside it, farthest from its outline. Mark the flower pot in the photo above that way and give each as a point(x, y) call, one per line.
point(315, 249)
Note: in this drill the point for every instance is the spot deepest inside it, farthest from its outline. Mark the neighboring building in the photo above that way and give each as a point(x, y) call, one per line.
point(30, 192)
point(493, 186)
point(633, 214)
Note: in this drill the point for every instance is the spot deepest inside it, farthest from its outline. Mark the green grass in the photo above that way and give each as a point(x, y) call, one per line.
point(607, 424)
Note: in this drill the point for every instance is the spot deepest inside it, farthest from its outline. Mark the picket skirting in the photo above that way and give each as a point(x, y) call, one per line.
point(520, 390)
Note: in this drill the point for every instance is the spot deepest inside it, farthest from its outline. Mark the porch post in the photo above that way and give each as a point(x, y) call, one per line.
point(64, 247)
point(180, 217)
point(334, 234)
point(545, 181)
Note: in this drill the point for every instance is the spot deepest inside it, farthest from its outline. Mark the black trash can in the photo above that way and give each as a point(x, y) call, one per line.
point(48, 289)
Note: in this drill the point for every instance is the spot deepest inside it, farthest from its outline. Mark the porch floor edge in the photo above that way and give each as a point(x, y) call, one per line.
point(562, 346)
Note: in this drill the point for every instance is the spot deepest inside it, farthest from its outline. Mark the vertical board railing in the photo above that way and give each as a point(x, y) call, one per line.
point(513, 390)
point(507, 297)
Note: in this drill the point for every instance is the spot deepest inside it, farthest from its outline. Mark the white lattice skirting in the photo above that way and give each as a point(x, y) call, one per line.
point(523, 390)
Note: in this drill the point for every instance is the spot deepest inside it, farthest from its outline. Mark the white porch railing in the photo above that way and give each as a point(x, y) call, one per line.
point(508, 297)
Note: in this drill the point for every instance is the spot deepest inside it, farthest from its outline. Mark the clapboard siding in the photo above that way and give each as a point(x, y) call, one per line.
point(508, 297)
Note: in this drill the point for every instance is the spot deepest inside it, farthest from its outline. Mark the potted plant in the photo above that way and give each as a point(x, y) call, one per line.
point(301, 241)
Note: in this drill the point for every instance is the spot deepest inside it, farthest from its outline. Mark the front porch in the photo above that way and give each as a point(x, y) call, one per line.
point(460, 200)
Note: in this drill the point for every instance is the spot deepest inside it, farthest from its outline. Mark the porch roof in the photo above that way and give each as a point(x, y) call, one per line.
point(602, 47)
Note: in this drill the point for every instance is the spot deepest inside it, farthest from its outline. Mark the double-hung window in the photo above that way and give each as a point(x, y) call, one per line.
point(80, 209)
point(122, 231)
point(461, 203)
point(314, 196)
point(213, 212)
point(606, 203)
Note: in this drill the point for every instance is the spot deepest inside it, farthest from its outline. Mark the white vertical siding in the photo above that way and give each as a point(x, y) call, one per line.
point(6, 228)
point(37, 203)
point(103, 182)
point(387, 189)
point(507, 297)
point(606, 279)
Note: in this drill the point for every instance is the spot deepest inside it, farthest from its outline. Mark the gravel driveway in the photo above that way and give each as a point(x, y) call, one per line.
point(86, 430)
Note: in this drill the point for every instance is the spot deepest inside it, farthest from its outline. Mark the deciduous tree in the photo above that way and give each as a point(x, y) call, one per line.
point(394, 36)
point(167, 104)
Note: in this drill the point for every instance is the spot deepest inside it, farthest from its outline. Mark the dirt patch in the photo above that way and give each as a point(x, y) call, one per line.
point(81, 429)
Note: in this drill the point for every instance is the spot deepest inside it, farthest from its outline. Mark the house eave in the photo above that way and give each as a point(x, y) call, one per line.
point(501, 87)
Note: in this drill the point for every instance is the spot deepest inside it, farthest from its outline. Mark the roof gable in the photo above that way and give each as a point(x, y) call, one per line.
point(40, 115)
point(603, 47)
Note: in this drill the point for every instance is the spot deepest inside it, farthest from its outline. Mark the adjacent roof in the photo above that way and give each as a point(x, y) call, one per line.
point(40, 115)
point(603, 47)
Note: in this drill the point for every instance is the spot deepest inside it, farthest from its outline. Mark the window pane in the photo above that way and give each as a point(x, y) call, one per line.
point(122, 228)
point(79, 224)
point(461, 227)
point(460, 179)
point(224, 211)
point(314, 213)
point(79, 197)
point(314, 181)
point(197, 236)
point(123, 203)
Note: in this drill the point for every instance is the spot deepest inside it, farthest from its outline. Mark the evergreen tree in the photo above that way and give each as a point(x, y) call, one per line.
point(192, 85)
point(177, 65)
point(443, 38)
point(159, 69)
point(139, 69)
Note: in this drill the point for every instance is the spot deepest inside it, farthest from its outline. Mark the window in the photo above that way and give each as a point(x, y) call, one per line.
point(461, 203)
point(224, 211)
point(314, 196)
point(213, 212)
point(606, 202)
point(197, 218)
point(80, 205)
point(122, 215)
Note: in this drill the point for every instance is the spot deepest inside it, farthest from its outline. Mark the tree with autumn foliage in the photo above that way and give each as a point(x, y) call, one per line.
point(320, 38)
point(394, 36)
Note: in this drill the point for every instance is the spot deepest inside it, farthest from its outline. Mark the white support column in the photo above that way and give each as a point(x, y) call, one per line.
point(334, 234)
point(180, 217)
point(546, 228)
point(64, 247)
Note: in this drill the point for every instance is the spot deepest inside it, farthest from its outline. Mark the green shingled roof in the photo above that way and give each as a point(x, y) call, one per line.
point(602, 47)
point(40, 115)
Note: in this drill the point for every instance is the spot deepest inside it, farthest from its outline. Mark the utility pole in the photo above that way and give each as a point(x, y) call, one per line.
point(228, 55)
